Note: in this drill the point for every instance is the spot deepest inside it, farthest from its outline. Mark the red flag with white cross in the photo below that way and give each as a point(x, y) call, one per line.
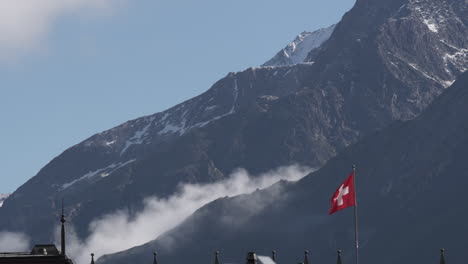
point(345, 195)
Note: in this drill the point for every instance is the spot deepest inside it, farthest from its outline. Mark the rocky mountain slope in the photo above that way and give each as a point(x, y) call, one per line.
point(383, 62)
point(411, 178)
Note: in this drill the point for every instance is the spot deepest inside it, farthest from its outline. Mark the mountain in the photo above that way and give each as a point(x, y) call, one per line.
point(297, 51)
point(381, 63)
point(3, 197)
point(411, 180)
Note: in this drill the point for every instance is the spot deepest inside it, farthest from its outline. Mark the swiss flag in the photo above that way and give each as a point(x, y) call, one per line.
point(345, 196)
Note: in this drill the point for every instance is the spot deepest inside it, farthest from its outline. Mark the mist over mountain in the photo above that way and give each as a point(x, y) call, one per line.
point(410, 179)
point(384, 61)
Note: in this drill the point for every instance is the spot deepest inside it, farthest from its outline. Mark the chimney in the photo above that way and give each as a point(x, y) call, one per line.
point(273, 255)
point(251, 258)
point(92, 258)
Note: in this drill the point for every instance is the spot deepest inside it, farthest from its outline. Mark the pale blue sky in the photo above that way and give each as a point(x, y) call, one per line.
point(94, 69)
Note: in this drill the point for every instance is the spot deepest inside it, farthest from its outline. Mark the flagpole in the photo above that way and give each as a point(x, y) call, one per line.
point(356, 234)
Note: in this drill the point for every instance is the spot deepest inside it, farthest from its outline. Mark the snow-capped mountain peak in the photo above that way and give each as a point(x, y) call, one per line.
point(296, 52)
point(3, 197)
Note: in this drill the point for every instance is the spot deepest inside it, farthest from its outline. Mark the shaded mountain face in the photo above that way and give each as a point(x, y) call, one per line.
point(411, 180)
point(382, 63)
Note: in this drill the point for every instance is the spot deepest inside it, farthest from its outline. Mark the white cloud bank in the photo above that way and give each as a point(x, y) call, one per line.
point(14, 242)
point(24, 24)
point(117, 231)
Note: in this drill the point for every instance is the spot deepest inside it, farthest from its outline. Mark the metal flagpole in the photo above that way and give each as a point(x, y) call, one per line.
point(356, 236)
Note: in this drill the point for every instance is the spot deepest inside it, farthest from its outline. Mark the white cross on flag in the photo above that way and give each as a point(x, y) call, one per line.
point(344, 197)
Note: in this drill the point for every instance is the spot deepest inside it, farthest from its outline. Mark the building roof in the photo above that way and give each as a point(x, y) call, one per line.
point(40, 254)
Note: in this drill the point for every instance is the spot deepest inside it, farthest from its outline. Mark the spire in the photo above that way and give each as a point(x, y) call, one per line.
point(273, 255)
point(442, 256)
point(62, 220)
point(217, 257)
point(338, 261)
point(155, 261)
point(92, 258)
point(306, 257)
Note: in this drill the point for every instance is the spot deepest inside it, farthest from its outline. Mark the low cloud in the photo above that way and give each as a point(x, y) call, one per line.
point(14, 242)
point(118, 231)
point(24, 24)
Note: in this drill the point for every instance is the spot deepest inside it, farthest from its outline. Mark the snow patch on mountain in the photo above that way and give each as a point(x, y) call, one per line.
point(434, 16)
point(139, 136)
point(182, 127)
point(296, 51)
point(458, 58)
point(109, 143)
point(426, 75)
point(431, 25)
point(170, 128)
point(3, 197)
point(102, 173)
point(269, 97)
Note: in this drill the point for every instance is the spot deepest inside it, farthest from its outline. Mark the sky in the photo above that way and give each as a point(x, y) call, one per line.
point(73, 68)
